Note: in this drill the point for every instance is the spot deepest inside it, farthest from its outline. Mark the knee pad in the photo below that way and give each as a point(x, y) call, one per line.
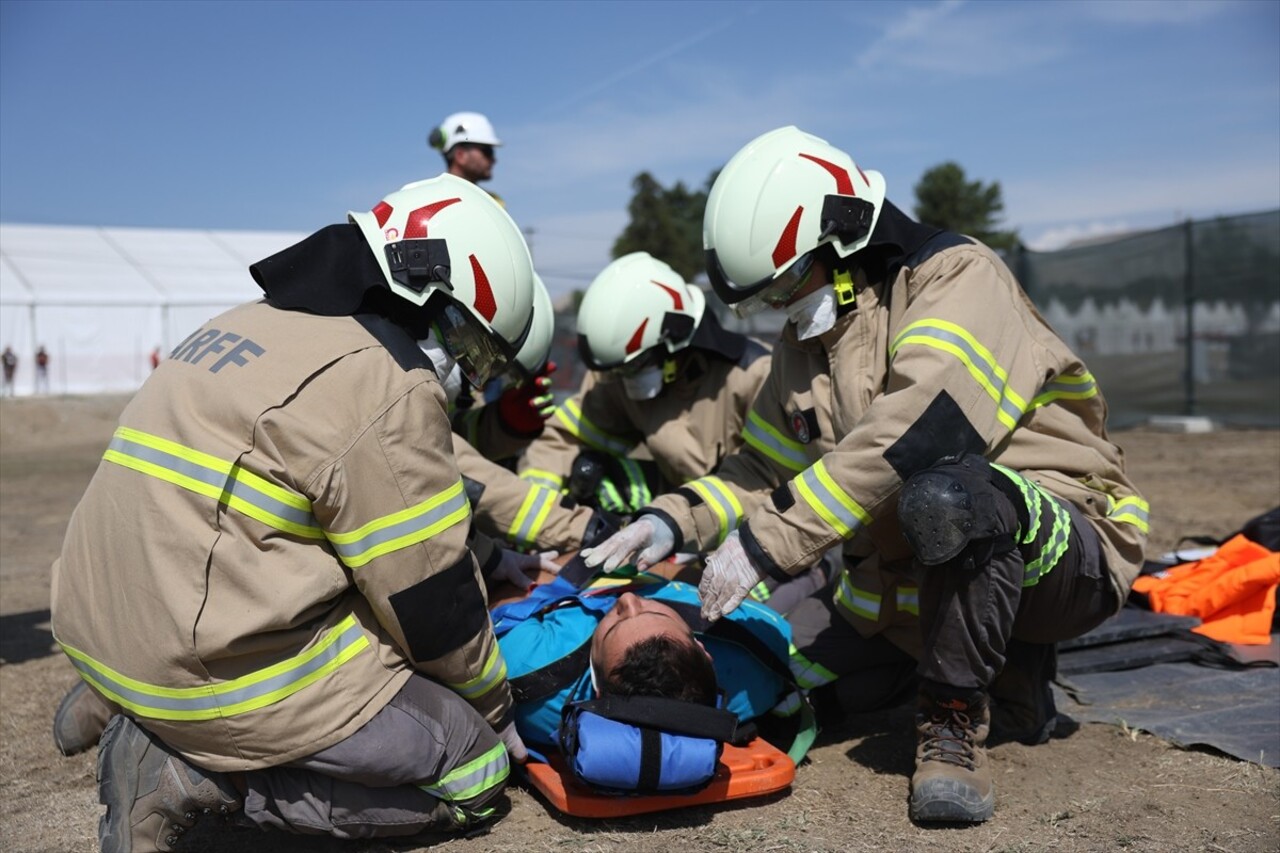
point(944, 508)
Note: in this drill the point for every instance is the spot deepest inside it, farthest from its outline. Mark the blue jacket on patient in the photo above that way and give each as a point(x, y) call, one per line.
point(545, 640)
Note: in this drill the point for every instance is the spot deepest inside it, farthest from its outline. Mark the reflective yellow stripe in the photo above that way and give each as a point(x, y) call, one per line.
point(909, 600)
point(861, 602)
point(249, 692)
point(495, 669)
point(533, 512)
point(763, 437)
point(1066, 388)
point(570, 414)
point(546, 479)
point(402, 529)
point(722, 501)
point(832, 503)
point(807, 673)
point(473, 778)
point(1134, 510)
point(214, 478)
point(981, 364)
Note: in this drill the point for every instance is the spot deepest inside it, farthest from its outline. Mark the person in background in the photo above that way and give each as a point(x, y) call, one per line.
point(10, 361)
point(467, 142)
point(42, 370)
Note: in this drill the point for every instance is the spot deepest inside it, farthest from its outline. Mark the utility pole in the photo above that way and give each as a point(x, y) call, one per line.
point(528, 239)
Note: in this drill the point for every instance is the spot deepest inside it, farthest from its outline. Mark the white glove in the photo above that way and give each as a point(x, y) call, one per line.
point(727, 578)
point(648, 534)
point(513, 566)
point(515, 746)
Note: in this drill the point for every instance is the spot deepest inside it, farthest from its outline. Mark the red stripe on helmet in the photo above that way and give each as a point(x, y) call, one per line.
point(484, 302)
point(675, 295)
point(634, 343)
point(416, 225)
point(844, 183)
point(382, 212)
point(786, 248)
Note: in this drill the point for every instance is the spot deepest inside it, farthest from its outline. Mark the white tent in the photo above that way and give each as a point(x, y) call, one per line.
point(101, 299)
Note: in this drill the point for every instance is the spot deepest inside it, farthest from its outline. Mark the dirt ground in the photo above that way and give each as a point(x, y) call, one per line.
point(1099, 787)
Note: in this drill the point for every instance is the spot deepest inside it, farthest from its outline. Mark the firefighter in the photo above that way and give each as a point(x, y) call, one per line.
point(664, 375)
point(920, 412)
point(269, 571)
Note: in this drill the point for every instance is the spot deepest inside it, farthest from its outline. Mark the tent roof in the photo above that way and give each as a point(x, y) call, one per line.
point(85, 265)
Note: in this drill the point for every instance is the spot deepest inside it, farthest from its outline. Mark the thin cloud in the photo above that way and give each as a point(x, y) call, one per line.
point(651, 60)
point(1144, 12)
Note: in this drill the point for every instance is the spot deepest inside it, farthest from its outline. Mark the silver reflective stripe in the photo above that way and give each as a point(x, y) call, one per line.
point(722, 502)
point(841, 512)
point(533, 511)
point(402, 529)
point(807, 673)
point(474, 778)
point(763, 437)
point(546, 479)
point(861, 602)
point(954, 339)
point(1066, 388)
point(570, 414)
point(1135, 511)
point(909, 599)
point(214, 478)
point(228, 698)
point(491, 675)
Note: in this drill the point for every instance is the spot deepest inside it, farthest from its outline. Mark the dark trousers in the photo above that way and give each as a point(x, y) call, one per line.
point(427, 761)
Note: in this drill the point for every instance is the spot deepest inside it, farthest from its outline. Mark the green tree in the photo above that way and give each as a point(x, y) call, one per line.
point(666, 223)
point(945, 198)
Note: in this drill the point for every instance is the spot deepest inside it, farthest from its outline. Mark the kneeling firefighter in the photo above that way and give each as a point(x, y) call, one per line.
point(921, 414)
point(269, 572)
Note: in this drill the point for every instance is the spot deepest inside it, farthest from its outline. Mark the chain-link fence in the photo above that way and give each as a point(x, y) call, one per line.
point(1180, 321)
point(1129, 307)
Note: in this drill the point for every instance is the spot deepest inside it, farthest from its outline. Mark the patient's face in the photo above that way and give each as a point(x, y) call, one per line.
point(631, 620)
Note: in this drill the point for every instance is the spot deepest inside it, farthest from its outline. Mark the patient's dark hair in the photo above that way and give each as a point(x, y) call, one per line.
point(664, 666)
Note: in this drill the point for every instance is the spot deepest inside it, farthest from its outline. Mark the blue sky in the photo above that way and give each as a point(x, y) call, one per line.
point(1093, 116)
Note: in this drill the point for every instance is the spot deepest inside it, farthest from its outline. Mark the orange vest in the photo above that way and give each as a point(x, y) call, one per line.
point(1233, 591)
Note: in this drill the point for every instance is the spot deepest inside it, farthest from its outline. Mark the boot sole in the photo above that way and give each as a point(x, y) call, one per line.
point(114, 831)
point(950, 801)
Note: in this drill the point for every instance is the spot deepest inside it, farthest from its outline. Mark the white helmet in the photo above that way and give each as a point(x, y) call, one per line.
point(634, 305)
point(537, 346)
point(462, 127)
point(444, 240)
point(783, 195)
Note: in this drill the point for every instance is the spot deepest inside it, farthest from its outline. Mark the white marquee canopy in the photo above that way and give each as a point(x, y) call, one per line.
point(100, 300)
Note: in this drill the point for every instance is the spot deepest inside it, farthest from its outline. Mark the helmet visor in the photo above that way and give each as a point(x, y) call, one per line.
point(481, 354)
point(772, 291)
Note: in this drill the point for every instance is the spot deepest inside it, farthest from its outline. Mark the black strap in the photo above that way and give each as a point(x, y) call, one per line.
point(668, 715)
point(550, 679)
point(650, 760)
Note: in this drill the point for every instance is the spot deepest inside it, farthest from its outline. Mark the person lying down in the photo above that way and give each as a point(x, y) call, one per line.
point(641, 635)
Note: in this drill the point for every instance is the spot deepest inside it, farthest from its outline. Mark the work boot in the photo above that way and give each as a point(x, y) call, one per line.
point(1022, 706)
point(81, 716)
point(952, 782)
point(152, 794)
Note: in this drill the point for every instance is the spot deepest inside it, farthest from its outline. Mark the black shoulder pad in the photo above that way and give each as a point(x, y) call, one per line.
point(752, 352)
point(403, 348)
point(937, 243)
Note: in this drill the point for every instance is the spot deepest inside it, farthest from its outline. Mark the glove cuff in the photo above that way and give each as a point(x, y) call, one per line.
point(669, 522)
point(759, 558)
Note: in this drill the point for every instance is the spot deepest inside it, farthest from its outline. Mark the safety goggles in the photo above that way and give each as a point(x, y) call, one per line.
point(772, 291)
point(481, 354)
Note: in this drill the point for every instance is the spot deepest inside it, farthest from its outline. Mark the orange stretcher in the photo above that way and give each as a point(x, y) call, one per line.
point(744, 771)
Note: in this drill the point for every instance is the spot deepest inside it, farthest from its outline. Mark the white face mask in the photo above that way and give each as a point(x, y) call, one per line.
point(446, 368)
point(814, 314)
point(644, 385)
